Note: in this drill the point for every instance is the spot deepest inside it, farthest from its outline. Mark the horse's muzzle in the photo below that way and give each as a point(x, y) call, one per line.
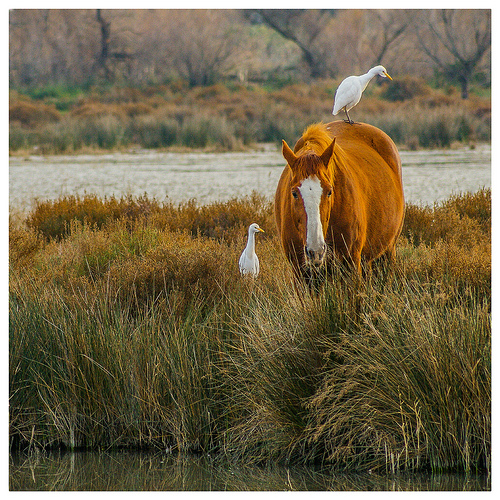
point(315, 257)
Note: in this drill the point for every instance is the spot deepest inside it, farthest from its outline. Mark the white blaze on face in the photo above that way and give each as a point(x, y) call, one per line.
point(311, 192)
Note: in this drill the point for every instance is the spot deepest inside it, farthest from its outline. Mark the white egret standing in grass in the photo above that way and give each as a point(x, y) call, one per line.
point(350, 90)
point(249, 262)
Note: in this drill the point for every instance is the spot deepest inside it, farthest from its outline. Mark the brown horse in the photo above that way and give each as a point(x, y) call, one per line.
point(340, 197)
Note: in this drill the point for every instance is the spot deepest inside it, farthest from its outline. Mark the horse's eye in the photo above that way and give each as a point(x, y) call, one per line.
point(329, 193)
point(294, 194)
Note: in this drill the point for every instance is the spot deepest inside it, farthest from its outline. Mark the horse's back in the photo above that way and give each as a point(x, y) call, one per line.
point(350, 137)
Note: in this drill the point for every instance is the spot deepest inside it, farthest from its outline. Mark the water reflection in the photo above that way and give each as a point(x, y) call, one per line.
point(131, 471)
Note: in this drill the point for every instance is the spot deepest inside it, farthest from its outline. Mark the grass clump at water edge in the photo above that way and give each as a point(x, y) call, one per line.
point(137, 330)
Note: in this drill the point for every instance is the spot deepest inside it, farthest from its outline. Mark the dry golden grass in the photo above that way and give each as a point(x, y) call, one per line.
point(131, 326)
point(31, 114)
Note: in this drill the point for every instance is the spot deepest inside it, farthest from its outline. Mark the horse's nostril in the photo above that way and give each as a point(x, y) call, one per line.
point(315, 255)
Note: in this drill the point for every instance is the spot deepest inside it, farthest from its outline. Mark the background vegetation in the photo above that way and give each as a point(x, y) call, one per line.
point(111, 79)
point(235, 116)
point(131, 326)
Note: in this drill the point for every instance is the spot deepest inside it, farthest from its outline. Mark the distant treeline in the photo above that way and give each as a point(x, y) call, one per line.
point(202, 47)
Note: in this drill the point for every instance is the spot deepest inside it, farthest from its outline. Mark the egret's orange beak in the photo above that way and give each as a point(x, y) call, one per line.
point(387, 75)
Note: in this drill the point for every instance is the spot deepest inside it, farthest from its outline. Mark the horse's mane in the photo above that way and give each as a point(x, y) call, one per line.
point(309, 147)
point(315, 138)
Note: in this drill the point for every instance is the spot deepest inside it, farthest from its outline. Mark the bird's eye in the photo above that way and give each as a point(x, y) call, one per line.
point(294, 194)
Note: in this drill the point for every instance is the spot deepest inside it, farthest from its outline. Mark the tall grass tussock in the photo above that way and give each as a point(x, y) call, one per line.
point(130, 326)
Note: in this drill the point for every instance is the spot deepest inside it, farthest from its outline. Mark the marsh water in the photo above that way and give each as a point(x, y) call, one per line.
point(428, 176)
point(134, 471)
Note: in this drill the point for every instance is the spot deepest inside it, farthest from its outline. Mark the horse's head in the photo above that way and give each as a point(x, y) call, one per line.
point(312, 198)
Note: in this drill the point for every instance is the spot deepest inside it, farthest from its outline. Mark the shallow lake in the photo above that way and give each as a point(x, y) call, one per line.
point(133, 471)
point(428, 176)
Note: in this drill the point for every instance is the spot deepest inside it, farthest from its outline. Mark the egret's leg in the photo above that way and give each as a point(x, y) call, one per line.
point(348, 117)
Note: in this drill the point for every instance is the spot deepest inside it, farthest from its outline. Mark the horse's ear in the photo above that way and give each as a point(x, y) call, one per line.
point(288, 154)
point(327, 153)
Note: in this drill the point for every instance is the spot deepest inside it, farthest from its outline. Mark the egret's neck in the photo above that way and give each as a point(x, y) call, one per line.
point(250, 248)
point(365, 79)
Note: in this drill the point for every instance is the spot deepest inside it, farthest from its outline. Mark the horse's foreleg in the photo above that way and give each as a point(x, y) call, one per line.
point(383, 267)
point(357, 282)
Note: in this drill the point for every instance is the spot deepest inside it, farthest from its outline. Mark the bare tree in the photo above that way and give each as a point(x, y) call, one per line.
point(303, 27)
point(202, 45)
point(331, 39)
point(384, 28)
point(102, 57)
point(51, 46)
point(116, 56)
point(456, 41)
point(77, 46)
point(358, 39)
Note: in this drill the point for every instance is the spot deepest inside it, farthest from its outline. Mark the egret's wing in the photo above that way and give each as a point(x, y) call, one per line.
point(348, 94)
point(249, 266)
point(242, 262)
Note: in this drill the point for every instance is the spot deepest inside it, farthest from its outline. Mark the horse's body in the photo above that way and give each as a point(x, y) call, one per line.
point(339, 197)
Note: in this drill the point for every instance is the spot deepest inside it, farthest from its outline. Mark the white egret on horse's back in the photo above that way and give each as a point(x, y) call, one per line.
point(350, 90)
point(249, 262)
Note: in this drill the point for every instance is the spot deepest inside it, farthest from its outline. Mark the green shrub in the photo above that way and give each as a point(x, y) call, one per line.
point(203, 131)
